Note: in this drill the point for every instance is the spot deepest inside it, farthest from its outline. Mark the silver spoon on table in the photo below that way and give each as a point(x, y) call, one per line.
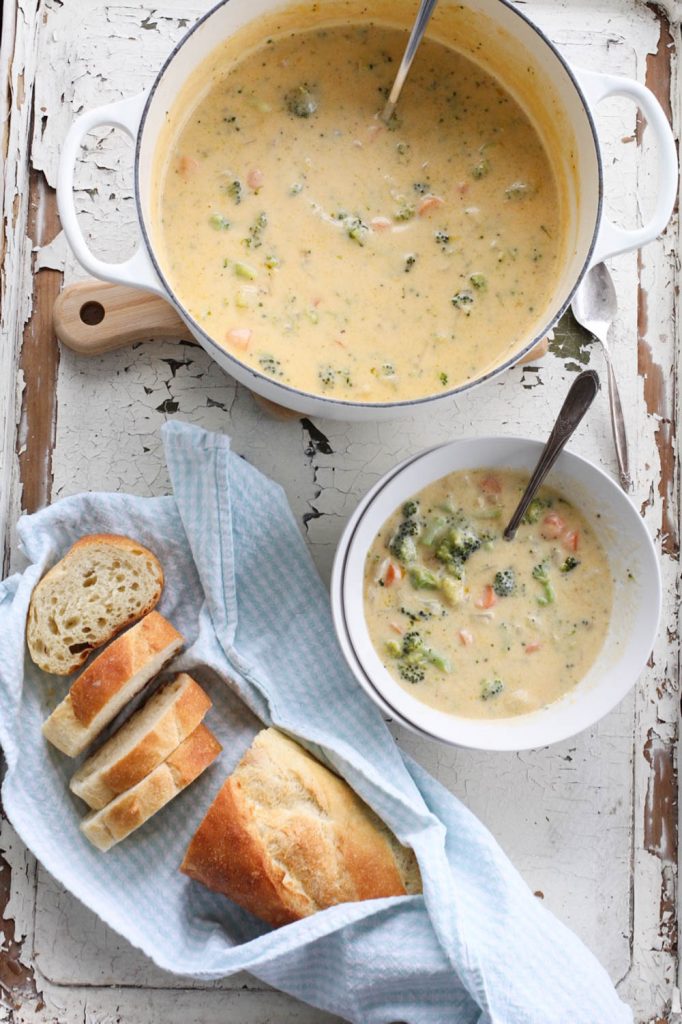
point(594, 306)
point(581, 394)
point(418, 29)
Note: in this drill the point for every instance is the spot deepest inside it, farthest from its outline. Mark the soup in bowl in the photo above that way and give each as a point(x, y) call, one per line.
point(484, 642)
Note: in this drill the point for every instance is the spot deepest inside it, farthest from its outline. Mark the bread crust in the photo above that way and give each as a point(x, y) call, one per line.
point(111, 669)
point(285, 837)
point(60, 571)
point(116, 677)
point(136, 806)
point(113, 769)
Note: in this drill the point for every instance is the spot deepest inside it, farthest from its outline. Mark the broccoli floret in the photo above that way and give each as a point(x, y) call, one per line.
point(354, 227)
point(301, 102)
point(491, 688)
point(411, 673)
point(535, 510)
point(437, 659)
point(505, 582)
point(571, 563)
point(541, 574)
point(254, 241)
point(462, 300)
point(423, 579)
point(434, 530)
point(413, 657)
point(410, 509)
point(271, 365)
point(235, 190)
point(403, 547)
point(422, 614)
point(412, 641)
point(458, 544)
point(480, 169)
point(402, 544)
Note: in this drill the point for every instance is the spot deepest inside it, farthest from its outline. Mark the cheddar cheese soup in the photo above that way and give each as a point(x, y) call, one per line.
point(346, 257)
point(478, 626)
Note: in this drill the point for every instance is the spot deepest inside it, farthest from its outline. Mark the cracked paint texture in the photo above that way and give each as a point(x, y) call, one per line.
point(581, 817)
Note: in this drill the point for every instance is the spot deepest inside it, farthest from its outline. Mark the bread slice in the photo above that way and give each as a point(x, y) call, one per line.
point(110, 681)
point(285, 837)
point(131, 809)
point(146, 739)
point(102, 584)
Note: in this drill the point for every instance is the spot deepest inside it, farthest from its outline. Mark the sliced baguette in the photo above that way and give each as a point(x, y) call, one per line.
point(146, 739)
point(102, 584)
point(110, 681)
point(285, 837)
point(131, 809)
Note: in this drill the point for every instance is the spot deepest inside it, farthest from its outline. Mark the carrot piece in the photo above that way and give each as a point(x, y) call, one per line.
point(397, 628)
point(533, 646)
point(487, 599)
point(552, 526)
point(255, 179)
point(466, 638)
point(393, 574)
point(239, 337)
point(490, 485)
point(380, 224)
point(187, 165)
point(429, 203)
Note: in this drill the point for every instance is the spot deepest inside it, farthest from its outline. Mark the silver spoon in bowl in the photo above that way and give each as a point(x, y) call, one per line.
point(594, 307)
point(424, 13)
point(581, 394)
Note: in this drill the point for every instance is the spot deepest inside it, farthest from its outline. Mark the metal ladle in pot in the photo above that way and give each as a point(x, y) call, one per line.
point(580, 396)
point(425, 11)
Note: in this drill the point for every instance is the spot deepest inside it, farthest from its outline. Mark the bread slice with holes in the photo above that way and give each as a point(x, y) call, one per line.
point(146, 739)
point(110, 681)
point(102, 584)
point(133, 808)
point(286, 837)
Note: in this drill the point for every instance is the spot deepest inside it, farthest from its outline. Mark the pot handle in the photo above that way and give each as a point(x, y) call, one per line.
point(137, 271)
point(611, 239)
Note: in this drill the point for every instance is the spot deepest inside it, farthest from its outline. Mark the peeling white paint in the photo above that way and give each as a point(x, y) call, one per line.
point(576, 824)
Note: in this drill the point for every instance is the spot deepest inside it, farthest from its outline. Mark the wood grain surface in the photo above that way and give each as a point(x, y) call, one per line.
point(592, 824)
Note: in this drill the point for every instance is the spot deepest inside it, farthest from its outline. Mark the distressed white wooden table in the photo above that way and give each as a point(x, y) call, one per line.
point(591, 823)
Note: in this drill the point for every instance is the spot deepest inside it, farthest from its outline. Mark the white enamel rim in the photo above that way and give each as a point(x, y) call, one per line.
point(143, 270)
point(634, 623)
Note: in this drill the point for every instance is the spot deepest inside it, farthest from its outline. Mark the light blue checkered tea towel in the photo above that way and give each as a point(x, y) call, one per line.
point(477, 947)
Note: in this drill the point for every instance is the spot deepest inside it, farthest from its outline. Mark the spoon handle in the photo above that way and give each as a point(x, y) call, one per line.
point(426, 8)
point(578, 400)
point(618, 424)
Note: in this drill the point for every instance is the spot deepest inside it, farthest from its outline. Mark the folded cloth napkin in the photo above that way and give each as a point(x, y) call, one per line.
point(240, 584)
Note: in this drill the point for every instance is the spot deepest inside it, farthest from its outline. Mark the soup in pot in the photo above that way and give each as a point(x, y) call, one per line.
point(346, 257)
point(472, 624)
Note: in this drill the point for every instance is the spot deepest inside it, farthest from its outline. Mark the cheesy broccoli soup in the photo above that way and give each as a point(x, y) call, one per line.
point(346, 257)
point(478, 626)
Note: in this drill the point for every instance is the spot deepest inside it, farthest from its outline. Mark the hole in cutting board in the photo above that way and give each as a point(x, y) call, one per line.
point(92, 313)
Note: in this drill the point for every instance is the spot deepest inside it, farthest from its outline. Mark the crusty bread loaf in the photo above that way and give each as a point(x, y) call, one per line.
point(285, 837)
point(102, 584)
point(110, 681)
point(146, 739)
point(131, 809)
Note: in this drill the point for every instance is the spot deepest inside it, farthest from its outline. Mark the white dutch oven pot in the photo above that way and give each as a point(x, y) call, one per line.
point(591, 238)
